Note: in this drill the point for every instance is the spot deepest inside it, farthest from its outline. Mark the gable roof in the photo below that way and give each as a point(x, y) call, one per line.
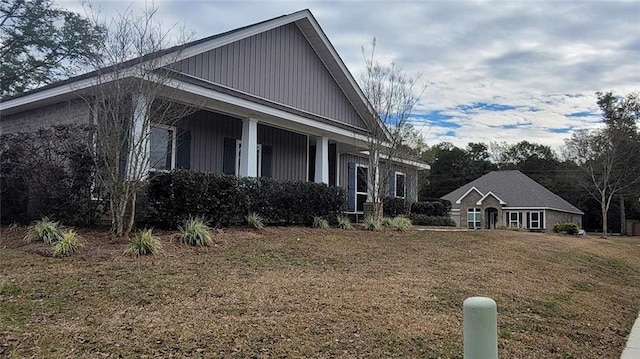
point(515, 189)
point(304, 20)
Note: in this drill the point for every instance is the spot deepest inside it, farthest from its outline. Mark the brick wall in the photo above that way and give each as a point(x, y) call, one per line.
point(70, 112)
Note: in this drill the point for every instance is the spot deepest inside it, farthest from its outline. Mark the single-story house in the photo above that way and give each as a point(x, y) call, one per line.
point(510, 199)
point(276, 88)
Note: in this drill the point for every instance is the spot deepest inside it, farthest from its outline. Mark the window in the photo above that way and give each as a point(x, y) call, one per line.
point(474, 218)
point(514, 221)
point(400, 190)
point(258, 158)
point(162, 147)
point(362, 176)
point(536, 220)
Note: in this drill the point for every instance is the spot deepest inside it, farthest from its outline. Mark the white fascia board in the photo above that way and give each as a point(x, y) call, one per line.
point(344, 70)
point(75, 86)
point(418, 165)
point(487, 195)
point(263, 109)
point(540, 209)
point(466, 193)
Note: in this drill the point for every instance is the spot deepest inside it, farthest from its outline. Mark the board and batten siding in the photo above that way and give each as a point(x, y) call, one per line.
point(208, 130)
point(278, 65)
point(411, 173)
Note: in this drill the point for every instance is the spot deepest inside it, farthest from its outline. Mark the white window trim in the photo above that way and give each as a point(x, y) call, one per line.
point(475, 212)
point(357, 193)
point(395, 187)
point(259, 158)
point(538, 221)
point(516, 221)
point(174, 145)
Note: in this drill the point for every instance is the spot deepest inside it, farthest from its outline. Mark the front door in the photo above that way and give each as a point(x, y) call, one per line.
point(492, 218)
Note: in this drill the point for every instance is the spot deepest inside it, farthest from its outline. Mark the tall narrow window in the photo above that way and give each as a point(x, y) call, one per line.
point(400, 190)
point(162, 146)
point(474, 218)
point(362, 176)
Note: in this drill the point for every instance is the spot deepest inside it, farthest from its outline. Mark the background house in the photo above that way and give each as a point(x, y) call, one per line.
point(511, 199)
point(274, 100)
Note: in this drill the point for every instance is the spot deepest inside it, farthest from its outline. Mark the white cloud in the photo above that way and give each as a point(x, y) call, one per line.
point(551, 56)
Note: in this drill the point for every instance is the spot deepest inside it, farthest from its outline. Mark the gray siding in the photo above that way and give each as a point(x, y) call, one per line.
point(411, 173)
point(278, 65)
point(208, 130)
point(71, 112)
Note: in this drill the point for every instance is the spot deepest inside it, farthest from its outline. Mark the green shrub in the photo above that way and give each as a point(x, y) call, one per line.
point(70, 242)
point(254, 220)
point(319, 222)
point(371, 224)
point(344, 222)
point(432, 207)
point(424, 220)
point(392, 207)
point(196, 232)
point(48, 172)
point(177, 195)
point(568, 228)
point(402, 223)
point(144, 243)
point(44, 230)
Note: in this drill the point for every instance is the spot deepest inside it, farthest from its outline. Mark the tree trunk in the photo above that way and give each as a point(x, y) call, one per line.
point(623, 223)
point(132, 214)
point(604, 218)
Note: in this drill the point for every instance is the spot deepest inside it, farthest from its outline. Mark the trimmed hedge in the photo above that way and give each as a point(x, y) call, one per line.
point(424, 220)
point(224, 200)
point(432, 207)
point(393, 207)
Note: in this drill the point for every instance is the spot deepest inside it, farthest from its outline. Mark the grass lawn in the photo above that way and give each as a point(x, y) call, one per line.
point(295, 292)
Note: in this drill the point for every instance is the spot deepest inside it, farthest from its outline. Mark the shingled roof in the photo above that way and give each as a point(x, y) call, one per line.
point(516, 190)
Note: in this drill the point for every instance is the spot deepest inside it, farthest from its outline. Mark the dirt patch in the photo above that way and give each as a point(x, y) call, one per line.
point(302, 292)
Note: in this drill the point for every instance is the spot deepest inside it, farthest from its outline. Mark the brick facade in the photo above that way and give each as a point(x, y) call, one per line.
point(70, 112)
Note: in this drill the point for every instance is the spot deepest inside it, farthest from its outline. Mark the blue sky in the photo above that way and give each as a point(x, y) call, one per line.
point(495, 71)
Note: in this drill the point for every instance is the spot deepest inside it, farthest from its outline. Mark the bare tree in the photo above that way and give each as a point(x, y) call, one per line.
point(609, 156)
point(393, 96)
point(127, 94)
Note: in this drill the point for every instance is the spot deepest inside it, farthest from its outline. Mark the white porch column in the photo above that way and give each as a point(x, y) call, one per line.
point(322, 160)
point(249, 149)
point(139, 147)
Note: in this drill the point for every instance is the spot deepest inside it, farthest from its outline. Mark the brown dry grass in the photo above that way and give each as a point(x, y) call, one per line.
point(293, 292)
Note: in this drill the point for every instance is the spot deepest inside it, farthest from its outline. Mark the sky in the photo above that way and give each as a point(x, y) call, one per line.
point(494, 70)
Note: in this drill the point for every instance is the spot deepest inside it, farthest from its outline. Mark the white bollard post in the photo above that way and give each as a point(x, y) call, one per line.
point(480, 327)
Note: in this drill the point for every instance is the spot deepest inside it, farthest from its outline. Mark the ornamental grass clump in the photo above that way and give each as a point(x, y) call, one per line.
point(319, 222)
point(402, 223)
point(371, 224)
point(254, 220)
point(387, 222)
point(44, 230)
point(144, 243)
point(68, 244)
point(344, 222)
point(196, 232)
